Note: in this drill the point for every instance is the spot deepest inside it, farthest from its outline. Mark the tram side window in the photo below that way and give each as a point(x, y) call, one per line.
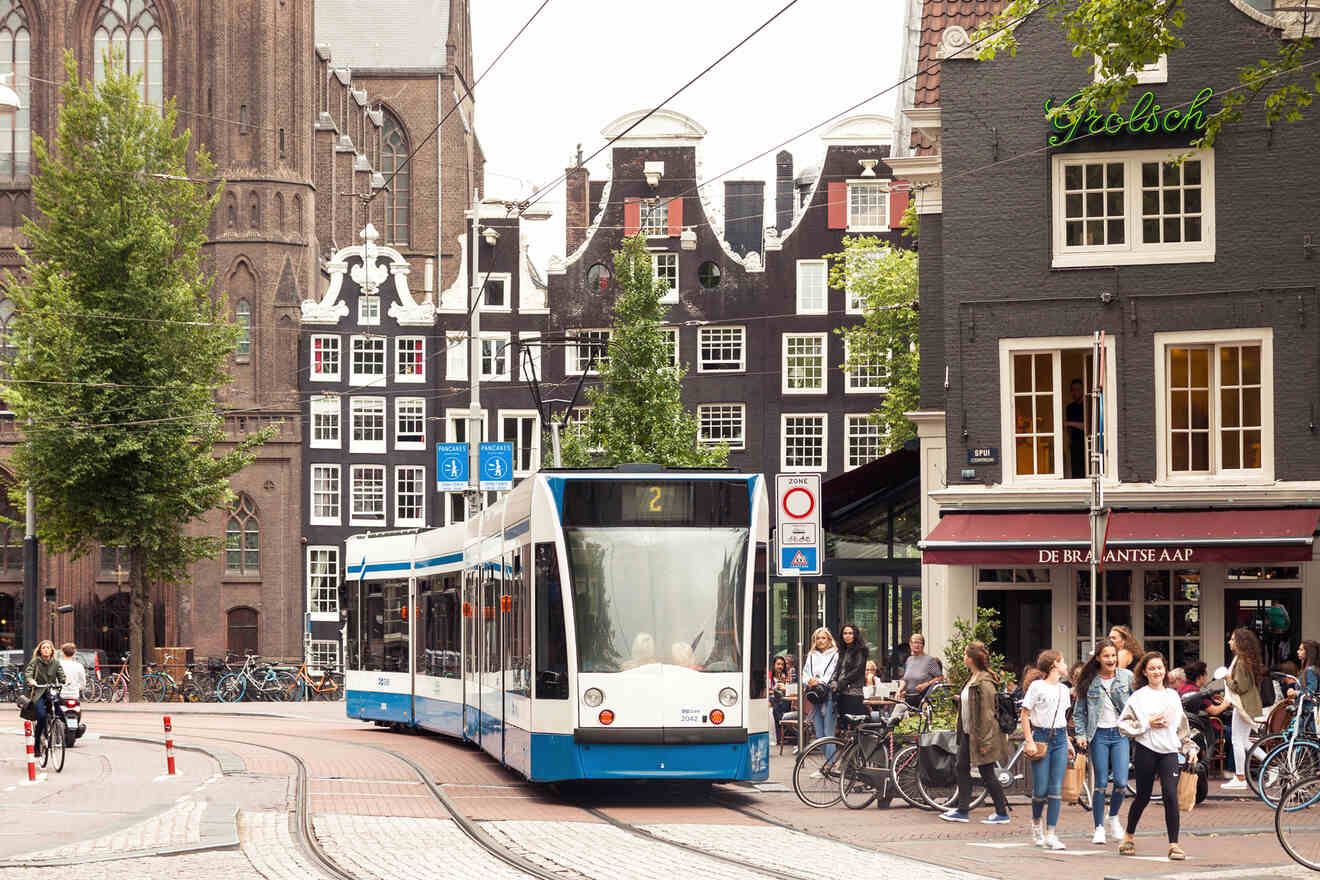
point(396, 627)
point(373, 629)
point(350, 599)
point(551, 640)
point(490, 603)
point(471, 613)
point(517, 614)
point(440, 628)
point(426, 588)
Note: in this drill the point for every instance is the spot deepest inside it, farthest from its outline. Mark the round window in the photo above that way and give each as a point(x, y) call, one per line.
point(709, 274)
point(598, 277)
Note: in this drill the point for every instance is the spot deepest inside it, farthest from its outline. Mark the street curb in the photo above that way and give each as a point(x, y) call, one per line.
point(229, 762)
point(219, 832)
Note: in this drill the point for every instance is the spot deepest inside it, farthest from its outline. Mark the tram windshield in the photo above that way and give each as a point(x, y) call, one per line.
point(671, 595)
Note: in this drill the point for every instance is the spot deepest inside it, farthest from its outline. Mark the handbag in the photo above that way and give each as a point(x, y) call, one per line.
point(1187, 782)
point(1039, 750)
point(817, 693)
point(937, 757)
point(1073, 779)
point(27, 708)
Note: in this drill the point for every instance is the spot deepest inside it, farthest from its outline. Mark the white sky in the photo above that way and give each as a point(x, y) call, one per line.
point(583, 63)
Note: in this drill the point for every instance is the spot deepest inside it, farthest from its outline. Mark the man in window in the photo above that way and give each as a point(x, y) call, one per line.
point(1074, 422)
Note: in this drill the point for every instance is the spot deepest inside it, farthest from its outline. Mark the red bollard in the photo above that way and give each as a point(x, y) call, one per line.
point(32, 761)
point(169, 747)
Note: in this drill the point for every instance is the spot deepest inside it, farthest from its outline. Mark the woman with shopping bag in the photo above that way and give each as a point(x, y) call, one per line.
point(1154, 719)
point(1102, 691)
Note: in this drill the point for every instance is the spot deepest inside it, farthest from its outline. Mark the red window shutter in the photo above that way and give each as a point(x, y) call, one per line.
point(676, 216)
point(632, 217)
point(838, 205)
point(898, 203)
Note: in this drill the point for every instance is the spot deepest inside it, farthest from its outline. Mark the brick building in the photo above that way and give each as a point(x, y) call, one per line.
point(300, 141)
point(1034, 239)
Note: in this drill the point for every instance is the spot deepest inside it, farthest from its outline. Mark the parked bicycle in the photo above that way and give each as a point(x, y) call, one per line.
point(159, 686)
point(1295, 759)
point(1297, 821)
point(11, 683)
point(257, 681)
point(311, 683)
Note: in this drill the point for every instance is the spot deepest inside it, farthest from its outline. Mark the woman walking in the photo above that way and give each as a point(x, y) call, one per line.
point(818, 669)
point(1243, 689)
point(1045, 731)
point(980, 741)
point(1129, 649)
point(1102, 692)
point(850, 672)
point(1155, 720)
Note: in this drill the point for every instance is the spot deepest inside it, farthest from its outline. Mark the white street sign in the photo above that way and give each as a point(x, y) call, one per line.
point(799, 529)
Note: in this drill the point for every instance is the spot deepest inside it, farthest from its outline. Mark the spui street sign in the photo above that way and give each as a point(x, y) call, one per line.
point(496, 466)
point(451, 467)
point(798, 509)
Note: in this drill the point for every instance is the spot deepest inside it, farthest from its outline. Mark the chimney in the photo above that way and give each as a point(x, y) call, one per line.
point(577, 185)
point(784, 207)
point(744, 212)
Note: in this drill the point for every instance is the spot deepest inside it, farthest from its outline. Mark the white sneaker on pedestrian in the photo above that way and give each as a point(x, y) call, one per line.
point(817, 775)
point(1037, 835)
point(1115, 828)
point(1227, 776)
point(1099, 836)
point(1053, 842)
point(1234, 785)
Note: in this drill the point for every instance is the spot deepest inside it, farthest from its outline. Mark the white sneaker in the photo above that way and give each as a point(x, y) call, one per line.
point(1099, 836)
point(1235, 785)
point(1037, 835)
point(1053, 842)
point(1116, 828)
point(817, 775)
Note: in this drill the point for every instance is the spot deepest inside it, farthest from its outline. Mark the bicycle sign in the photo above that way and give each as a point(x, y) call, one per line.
point(495, 466)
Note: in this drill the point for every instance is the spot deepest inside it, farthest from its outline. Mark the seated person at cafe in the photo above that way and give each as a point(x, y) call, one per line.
point(920, 672)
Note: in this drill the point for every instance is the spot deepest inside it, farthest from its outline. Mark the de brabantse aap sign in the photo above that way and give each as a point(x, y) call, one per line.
point(1119, 555)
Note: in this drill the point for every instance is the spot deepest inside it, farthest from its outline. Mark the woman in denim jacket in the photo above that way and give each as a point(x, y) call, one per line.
point(1102, 692)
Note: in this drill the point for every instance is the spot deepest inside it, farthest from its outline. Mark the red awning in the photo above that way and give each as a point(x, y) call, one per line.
point(1144, 537)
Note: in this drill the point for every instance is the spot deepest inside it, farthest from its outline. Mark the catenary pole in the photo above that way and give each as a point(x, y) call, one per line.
point(1097, 457)
point(30, 619)
point(474, 432)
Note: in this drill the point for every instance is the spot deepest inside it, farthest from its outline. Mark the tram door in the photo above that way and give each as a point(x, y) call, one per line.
point(488, 639)
point(471, 664)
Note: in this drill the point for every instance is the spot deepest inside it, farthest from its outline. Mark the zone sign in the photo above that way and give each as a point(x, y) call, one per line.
point(798, 507)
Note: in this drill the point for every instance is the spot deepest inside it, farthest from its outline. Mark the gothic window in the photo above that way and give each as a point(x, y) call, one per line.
point(244, 628)
point(243, 315)
point(15, 128)
point(254, 211)
point(243, 538)
point(11, 535)
point(398, 201)
point(132, 28)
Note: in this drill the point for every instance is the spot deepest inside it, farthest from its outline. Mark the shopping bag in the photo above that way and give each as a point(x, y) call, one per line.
point(1186, 790)
point(937, 757)
point(1074, 778)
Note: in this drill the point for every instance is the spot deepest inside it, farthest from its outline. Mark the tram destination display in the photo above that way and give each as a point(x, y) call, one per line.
point(666, 502)
point(658, 502)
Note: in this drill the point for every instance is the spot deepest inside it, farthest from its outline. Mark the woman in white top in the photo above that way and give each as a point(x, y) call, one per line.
point(818, 668)
point(1154, 719)
point(1045, 723)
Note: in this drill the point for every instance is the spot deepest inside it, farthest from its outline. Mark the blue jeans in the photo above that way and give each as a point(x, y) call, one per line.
point(43, 718)
point(822, 716)
point(1047, 774)
point(1109, 756)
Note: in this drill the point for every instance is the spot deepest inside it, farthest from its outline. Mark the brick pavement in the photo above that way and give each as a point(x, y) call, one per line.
point(179, 825)
point(269, 846)
point(198, 866)
point(380, 848)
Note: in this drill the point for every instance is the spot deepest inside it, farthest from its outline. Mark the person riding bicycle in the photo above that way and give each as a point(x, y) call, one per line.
point(43, 671)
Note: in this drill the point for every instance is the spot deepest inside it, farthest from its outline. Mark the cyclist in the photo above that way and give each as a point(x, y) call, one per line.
point(43, 670)
point(75, 673)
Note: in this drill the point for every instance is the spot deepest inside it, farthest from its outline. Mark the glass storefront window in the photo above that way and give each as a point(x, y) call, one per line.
point(1173, 614)
point(1258, 573)
point(1113, 606)
point(1013, 575)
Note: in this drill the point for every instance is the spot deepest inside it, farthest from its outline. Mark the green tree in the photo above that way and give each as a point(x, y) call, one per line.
point(120, 347)
point(636, 411)
point(884, 279)
point(1125, 35)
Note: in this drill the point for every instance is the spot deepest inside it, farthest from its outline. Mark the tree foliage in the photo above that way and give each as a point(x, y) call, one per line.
point(1125, 35)
point(636, 411)
point(120, 347)
point(884, 279)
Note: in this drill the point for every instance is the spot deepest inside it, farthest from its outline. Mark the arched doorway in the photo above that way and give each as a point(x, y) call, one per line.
point(244, 631)
point(112, 617)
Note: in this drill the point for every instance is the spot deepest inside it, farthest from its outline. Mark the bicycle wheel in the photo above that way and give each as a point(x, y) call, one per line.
point(815, 779)
point(189, 692)
point(1286, 766)
point(231, 688)
point(943, 797)
point(903, 773)
point(54, 746)
point(119, 688)
point(295, 691)
point(855, 788)
point(1256, 754)
point(1297, 822)
point(153, 688)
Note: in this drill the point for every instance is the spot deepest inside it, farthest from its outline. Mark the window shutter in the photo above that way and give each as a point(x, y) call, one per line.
point(632, 217)
point(838, 205)
point(676, 216)
point(456, 356)
point(899, 193)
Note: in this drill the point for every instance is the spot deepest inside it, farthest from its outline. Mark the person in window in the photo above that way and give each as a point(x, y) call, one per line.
point(1074, 422)
point(919, 672)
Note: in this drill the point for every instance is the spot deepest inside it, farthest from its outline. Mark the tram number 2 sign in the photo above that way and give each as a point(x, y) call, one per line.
point(797, 511)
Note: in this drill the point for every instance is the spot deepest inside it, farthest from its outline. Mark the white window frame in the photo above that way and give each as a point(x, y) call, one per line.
point(850, 385)
point(356, 518)
point(399, 403)
point(418, 471)
point(824, 308)
point(1132, 252)
point(1055, 345)
point(867, 419)
point(399, 375)
point(322, 654)
point(880, 185)
point(1155, 72)
point(313, 517)
point(702, 363)
point(312, 372)
point(453, 416)
point(824, 363)
point(648, 211)
point(571, 359)
point(824, 443)
point(500, 416)
point(531, 341)
point(457, 347)
point(507, 278)
point(672, 334)
point(359, 406)
point(325, 406)
point(1262, 336)
point(368, 311)
point(503, 338)
point(335, 576)
point(737, 444)
point(672, 296)
point(359, 379)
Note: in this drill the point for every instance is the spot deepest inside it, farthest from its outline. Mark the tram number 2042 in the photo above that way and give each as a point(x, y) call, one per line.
point(659, 503)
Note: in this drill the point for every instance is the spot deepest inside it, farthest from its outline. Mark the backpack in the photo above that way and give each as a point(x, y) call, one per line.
point(1006, 712)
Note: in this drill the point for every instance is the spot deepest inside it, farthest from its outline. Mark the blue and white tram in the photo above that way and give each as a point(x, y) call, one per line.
point(591, 625)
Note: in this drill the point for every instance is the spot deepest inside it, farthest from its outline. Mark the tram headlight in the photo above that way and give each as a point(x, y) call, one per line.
point(593, 697)
point(728, 696)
